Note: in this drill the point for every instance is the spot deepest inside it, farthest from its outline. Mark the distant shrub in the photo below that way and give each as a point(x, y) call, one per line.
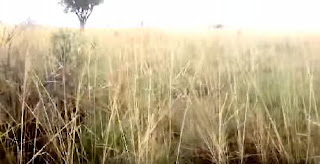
point(66, 47)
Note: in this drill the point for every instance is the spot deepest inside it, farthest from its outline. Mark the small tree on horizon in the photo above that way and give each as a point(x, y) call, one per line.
point(82, 8)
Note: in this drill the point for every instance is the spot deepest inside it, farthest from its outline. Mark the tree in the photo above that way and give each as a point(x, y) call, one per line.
point(82, 8)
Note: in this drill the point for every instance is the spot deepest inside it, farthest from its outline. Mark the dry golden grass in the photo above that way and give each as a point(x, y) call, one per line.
point(152, 96)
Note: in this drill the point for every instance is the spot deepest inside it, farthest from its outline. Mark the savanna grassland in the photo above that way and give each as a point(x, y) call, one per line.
point(151, 96)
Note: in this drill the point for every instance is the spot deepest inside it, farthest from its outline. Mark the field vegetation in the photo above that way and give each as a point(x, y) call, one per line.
point(155, 96)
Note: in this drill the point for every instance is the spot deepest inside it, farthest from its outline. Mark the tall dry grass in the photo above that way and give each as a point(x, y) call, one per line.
point(151, 96)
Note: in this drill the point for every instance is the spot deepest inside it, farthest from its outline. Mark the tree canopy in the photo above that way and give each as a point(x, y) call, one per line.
point(82, 8)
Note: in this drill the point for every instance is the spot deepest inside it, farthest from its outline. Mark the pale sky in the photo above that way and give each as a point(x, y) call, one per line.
point(279, 14)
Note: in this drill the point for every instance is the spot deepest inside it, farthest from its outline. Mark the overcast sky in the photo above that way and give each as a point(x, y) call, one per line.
point(280, 14)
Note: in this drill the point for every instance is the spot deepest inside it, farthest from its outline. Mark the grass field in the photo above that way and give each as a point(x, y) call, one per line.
point(151, 96)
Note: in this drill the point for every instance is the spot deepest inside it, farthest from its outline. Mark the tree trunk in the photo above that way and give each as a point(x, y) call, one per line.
point(82, 24)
